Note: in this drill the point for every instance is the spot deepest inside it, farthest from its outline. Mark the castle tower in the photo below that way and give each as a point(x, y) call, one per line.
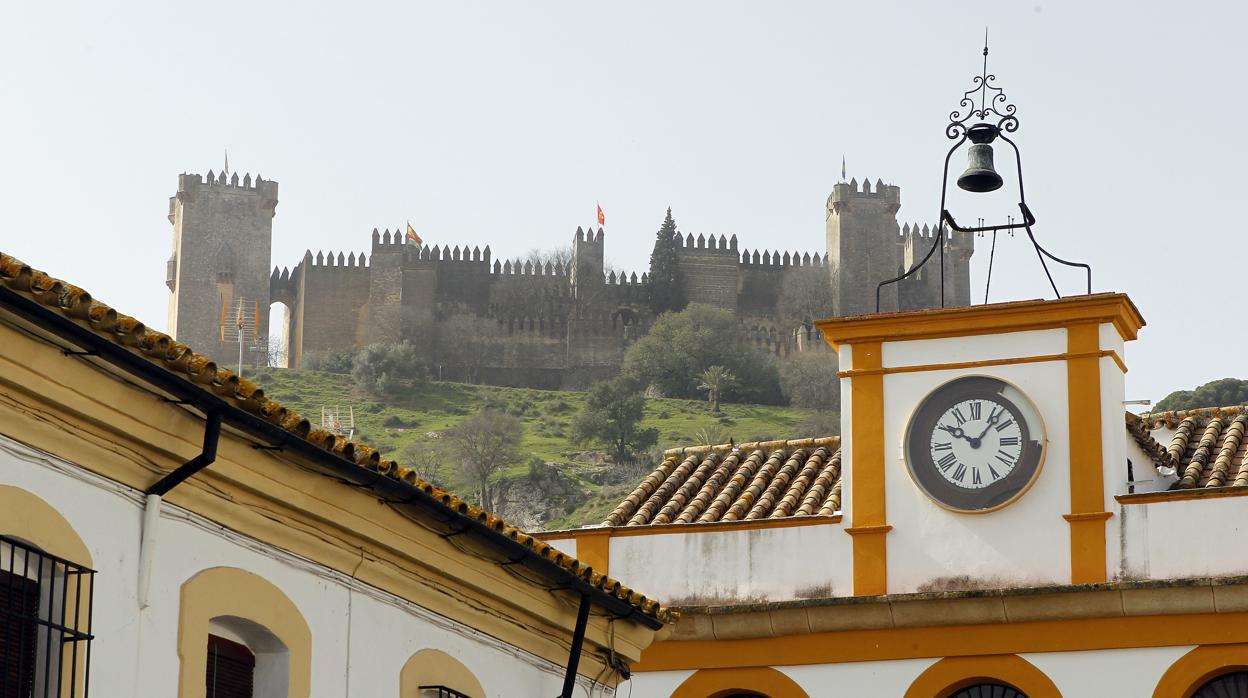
point(864, 245)
point(587, 265)
point(222, 237)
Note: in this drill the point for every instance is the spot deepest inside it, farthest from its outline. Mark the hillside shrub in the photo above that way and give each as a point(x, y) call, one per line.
point(385, 369)
point(1224, 392)
point(612, 418)
point(809, 380)
point(681, 346)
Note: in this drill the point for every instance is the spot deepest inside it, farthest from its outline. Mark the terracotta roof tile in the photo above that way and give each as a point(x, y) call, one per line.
point(769, 479)
point(1207, 449)
point(162, 350)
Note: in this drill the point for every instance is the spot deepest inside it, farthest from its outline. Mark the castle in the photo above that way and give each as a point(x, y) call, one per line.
point(546, 325)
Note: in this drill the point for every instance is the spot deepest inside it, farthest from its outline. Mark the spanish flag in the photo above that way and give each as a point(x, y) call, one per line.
point(602, 219)
point(412, 237)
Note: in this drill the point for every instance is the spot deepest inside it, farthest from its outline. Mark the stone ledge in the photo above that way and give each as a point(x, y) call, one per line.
point(976, 607)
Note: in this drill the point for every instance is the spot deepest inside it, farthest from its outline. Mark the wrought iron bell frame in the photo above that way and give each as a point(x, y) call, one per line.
point(993, 104)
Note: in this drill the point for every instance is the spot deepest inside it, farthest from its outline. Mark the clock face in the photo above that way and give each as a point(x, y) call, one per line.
point(975, 444)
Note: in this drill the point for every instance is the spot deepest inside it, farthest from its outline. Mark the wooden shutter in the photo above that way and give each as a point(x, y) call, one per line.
point(231, 669)
point(19, 607)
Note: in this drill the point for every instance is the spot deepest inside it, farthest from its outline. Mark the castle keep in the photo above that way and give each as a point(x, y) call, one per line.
point(540, 325)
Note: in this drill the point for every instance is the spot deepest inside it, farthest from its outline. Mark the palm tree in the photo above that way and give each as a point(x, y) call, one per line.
point(715, 380)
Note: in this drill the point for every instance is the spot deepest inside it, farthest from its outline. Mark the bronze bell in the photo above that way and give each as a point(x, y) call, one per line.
point(980, 175)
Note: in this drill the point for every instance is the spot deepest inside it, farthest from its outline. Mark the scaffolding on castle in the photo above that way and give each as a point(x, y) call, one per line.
point(240, 323)
point(333, 420)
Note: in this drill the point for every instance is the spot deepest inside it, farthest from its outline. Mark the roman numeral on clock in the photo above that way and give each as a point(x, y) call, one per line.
point(943, 446)
point(977, 408)
point(1009, 440)
point(1004, 425)
point(975, 478)
point(957, 414)
point(1004, 457)
point(947, 462)
point(960, 472)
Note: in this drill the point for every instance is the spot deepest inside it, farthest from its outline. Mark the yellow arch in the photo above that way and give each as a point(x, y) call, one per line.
point(717, 683)
point(954, 673)
point(1193, 669)
point(24, 515)
point(228, 591)
point(430, 667)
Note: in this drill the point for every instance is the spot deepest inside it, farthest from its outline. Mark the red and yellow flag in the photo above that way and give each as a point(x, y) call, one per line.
point(412, 237)
point(602, 219)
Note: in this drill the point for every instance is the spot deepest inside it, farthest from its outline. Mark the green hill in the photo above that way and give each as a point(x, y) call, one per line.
point(555, 483)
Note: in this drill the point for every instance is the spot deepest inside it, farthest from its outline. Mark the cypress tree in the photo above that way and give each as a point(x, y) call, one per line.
point(667, 292)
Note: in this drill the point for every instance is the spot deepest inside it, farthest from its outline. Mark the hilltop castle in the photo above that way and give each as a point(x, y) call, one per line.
point(546, 325)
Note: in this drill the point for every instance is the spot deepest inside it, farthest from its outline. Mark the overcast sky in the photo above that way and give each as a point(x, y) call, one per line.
point(504, 122)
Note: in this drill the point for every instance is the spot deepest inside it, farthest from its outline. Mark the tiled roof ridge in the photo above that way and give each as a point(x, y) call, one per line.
point(1172, 418)
point(159, 348)
point(736, 482)
point(833, 442)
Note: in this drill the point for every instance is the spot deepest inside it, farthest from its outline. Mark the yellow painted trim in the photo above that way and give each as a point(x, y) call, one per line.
point(1089, 516)
point(963, 365)
point(1087, 469)
point(430, 667)
point(1073, 635)
point(996, 318)
point(26, 516)
point(1182, 495)
point(1193, 669)
point(722, 683)
point(229, 591)
point(955, 673)
point(693, 527)
point(867, 497)
point(595, 551)
point(1122, 365)
point(861, 530)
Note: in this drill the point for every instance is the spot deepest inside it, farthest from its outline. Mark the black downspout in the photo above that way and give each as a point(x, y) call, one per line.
point(578, 639)
point(212, 431)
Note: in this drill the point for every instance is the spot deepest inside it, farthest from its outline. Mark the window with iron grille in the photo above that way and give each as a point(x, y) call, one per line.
point(441, 692)
point(45, 623)
point(231, 669)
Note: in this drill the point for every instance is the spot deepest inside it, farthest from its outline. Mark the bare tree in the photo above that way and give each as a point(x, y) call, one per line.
point(465, 341)
point(559, 257)
point(275, 352)
point(485, 444)
point(805, 295)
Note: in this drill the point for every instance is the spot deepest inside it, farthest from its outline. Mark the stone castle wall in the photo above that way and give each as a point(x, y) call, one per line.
point(550, 325)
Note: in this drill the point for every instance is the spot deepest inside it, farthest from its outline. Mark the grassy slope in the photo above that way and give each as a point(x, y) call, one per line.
point(434, 407)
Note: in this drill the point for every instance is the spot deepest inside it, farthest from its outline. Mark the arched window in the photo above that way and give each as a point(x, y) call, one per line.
point(231, 669)
point(229, 619)
point(433, 673)
point(1234, 685)
point(45, 600)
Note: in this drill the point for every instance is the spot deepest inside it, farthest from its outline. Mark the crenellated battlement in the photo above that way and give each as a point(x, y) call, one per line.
point(334, 260)
point(845, 191)
point(231, 181)
point(518, 268)
point(780, 260)
point(588, 236)
point(911, 233)
point(724, 245)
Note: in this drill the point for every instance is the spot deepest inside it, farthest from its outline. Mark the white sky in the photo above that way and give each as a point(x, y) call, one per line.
point(504, 122)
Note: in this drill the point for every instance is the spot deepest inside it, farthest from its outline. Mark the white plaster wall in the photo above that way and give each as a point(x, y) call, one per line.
point(1129, 672)
point(1185, 538)
point(1011, 345)
point(567, 546)
point(361, 636)
point(1025, 543)
point(1114, 439)
point(773, 564)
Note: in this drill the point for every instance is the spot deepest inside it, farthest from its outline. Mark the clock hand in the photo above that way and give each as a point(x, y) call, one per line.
point(955, 431)
point(993, 418)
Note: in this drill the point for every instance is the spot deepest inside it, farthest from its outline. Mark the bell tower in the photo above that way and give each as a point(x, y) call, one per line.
point(222, 240)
